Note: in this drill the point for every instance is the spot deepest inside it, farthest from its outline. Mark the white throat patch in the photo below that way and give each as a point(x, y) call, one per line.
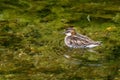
point(68, 34)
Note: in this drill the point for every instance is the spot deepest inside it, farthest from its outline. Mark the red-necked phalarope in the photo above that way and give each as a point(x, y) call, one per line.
point(75, 40)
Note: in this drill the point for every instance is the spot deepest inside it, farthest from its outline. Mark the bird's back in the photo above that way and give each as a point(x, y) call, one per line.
point(80, 41)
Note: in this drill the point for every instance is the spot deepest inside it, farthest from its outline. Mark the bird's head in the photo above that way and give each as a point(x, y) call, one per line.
point(70, 31)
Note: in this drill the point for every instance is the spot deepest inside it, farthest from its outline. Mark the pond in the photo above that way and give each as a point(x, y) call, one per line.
point(32, 40)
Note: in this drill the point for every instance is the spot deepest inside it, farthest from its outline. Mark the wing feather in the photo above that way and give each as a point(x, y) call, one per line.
point(83, 41)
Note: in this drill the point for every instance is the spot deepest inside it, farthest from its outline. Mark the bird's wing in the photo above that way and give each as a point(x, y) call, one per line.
point(76, 41)
point(84, 37)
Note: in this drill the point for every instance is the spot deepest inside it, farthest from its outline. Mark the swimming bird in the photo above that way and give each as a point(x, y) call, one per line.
point(76, 40)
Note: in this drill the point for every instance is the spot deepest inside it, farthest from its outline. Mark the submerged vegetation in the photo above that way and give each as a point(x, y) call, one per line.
point(32, 40)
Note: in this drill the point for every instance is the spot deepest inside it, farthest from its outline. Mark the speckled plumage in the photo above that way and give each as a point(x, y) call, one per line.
point(76, 40)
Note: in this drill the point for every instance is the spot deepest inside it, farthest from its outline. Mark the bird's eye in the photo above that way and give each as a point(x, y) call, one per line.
point(67, 31)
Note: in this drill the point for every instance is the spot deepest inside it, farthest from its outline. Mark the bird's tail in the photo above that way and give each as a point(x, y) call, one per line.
point(98, 42)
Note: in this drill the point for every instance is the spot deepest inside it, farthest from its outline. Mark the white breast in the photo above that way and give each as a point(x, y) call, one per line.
point(67, 42)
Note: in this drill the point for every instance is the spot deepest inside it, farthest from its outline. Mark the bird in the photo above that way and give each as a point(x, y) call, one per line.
point(76, 40)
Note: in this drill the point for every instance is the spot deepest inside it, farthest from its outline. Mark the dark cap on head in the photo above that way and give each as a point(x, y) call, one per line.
point(70, 28)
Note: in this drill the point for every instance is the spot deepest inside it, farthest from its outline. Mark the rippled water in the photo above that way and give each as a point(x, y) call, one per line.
point(32, 41)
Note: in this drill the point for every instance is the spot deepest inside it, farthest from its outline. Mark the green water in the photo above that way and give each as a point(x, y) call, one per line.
point(32, 40)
